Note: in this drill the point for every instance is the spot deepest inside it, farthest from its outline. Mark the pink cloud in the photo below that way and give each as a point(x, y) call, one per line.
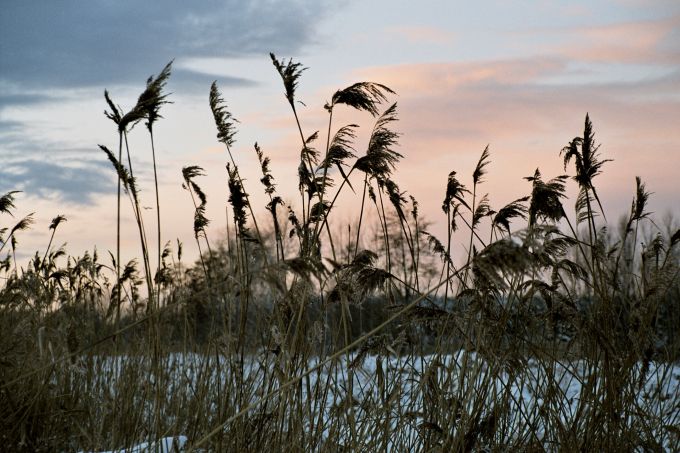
point(450, 111)
point(435, 77)
point(628, 42)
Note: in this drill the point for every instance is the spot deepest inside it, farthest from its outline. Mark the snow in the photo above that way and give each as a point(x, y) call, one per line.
point(165, 445)
point(566, 388)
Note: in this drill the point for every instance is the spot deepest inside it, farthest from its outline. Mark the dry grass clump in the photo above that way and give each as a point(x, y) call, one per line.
point(553, 331)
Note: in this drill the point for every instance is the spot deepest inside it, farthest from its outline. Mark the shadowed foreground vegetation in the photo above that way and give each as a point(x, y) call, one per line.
point(557, 329)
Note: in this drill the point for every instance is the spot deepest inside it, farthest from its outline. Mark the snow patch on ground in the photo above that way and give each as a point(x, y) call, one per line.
point(165, 445)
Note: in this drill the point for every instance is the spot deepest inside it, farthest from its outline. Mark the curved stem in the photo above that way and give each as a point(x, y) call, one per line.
point(361, 216)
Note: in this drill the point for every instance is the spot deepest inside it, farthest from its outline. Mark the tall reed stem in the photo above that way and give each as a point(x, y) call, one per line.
point(158, 204)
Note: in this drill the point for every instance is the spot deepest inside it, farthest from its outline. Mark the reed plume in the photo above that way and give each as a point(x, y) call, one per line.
point(290, 73)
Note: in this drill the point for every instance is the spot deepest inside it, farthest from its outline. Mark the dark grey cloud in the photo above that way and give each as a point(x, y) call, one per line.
point(44, 179)
point(51, 169)
point(48, 48)
point(8, 127)
point(20, 98)
point(68, 43)
point(197, 82)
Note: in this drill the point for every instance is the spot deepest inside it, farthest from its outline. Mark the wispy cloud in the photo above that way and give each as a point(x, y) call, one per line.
point(58, 182)
point(20, 99)
point(650, 41)
point(450, 111)
point(51, 170)
point(69, 44)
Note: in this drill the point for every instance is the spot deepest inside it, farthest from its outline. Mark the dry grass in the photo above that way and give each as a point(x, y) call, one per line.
point(290, 335)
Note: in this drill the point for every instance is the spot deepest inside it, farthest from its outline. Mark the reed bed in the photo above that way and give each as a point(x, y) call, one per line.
point(554, 331)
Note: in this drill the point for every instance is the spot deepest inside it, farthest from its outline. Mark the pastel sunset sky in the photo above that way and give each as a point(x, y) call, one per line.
point(518, 76)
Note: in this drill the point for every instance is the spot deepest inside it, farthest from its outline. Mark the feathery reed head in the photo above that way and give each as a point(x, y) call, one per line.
point(480, 169)
point(370, 279)
point(545, 198)
point(499, 258)
point(56, 221)
point(454, 191)
point(131, 118)
point(584, 151)
point(414, 210)
point(200, 220)
point(114, 115)
point(273, 204)
point(223, 118)
point(147, 106)
point(123, 174)
point(267, 179)
point(364, 258)
point(362, 96)
point(189, 174)
point(238, 199)
point(191, 171)
point(584, 200)
point(437, 247)
point(153, 97)
point(23, 224)
point(483, 209)
point(380, 158)
point(290, 74)
point(318, 211)
point(309, 153)
point(7, 202)
point(396, 197)
point(515, 209)
point(297, 226)
point(340, 147)
point(640, 201)
point(360, 277)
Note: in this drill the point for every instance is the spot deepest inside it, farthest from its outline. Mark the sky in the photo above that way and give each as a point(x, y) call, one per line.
point(517, 76)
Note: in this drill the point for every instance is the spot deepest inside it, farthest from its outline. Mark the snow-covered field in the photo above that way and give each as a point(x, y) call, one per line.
point(533, 399)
